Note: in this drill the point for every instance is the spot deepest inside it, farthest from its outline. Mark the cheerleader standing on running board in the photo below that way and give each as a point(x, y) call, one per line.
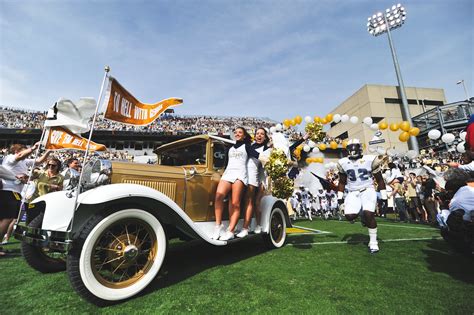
point(234, 179)
point(256, 183)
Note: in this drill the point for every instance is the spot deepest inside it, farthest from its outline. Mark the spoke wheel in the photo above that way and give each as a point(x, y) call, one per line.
point(117, 256)
point(276, 236)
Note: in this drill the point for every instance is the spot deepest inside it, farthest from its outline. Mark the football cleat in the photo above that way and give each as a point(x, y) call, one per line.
point(374, 248)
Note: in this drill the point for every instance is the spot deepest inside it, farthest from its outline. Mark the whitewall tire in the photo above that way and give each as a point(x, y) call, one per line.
point(276, 236)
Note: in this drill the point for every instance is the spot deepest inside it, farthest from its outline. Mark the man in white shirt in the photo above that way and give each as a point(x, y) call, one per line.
point(10, 194)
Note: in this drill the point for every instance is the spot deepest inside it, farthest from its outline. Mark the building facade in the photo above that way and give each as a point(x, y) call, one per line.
point(382, 103)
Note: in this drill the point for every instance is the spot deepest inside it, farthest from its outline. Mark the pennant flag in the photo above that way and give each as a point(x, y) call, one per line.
point(123, 107)
point(59, 138)
point(72, 116)
point(325, 183)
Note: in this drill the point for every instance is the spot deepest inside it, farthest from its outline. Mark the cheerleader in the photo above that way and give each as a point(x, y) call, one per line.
point(256, 182)
point(234, 179)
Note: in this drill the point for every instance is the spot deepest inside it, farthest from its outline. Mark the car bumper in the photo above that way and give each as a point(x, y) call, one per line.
point(54, 240)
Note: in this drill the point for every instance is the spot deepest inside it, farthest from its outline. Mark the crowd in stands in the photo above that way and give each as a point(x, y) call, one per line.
point(166, 124)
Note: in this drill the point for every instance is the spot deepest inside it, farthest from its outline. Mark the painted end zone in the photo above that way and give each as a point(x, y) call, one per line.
point(295, 230)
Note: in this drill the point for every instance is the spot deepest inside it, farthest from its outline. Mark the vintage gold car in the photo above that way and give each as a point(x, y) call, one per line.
point(115, 242)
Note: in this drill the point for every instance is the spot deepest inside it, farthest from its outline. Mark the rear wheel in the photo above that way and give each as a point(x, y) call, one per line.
point(276, 236)
point(117, 256)
point(42, 259)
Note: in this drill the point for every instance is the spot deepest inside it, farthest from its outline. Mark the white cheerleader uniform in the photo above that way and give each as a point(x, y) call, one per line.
point(256, 173)
point(237, 167)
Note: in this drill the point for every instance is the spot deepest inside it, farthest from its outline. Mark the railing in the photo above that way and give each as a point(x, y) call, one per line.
point(449, 116)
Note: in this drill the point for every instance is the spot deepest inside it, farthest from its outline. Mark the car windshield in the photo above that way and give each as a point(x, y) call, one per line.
point(190, 154)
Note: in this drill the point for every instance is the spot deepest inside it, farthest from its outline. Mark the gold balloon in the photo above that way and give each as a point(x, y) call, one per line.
point(404, 136)
point(324, 121)
point(405, 126)
point(317, 119)
point(319, 160)
point(394, 127)
point(322, 147)
point(286, 122)
point(292, 122)
point(414, 131)
point(298, 119)
point(333, 145)
point(383, 125)
point(344, 144)
point(329, 118)
point(309, 160)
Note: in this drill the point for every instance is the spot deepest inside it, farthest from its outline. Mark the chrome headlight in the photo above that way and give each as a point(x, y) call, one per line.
point(96, 173)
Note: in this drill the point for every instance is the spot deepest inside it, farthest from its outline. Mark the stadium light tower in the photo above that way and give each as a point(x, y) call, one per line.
point(465, 90)
point(379, 24)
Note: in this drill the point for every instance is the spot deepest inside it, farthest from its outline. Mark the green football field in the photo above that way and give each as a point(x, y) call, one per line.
point(330, 272)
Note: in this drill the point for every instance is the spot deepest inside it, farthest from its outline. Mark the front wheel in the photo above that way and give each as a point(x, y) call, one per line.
point(276, 236)
point(116, 256)
point(42, 259)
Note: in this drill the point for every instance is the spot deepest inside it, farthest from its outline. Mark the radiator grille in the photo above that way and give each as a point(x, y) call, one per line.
point(167, 188)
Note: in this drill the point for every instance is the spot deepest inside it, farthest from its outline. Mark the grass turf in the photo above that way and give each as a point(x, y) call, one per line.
point(318, 273)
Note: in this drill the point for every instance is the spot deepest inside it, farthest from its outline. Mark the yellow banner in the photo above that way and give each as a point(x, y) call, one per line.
point(123, 107)
point(62, 139)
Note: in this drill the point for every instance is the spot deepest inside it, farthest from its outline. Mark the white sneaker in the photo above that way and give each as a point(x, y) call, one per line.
point(258, 229)
point(373, 248)
point(243, 233)
point(228, 235)
point(218, 229)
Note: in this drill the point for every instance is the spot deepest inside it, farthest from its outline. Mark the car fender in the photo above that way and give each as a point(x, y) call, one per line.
point(59, 208)
point(266, 206)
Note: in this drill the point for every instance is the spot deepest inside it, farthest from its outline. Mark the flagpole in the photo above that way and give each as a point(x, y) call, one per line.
point(86, 154)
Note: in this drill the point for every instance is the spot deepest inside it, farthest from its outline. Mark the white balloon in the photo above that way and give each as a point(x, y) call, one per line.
point(311, 143)
point(308, 119)
point(434, 134)
point(374, 127)
point(448, 138)
point(345, 118)
point(336, 118)
point(327, 165)
point(272, 129)
point(354, 119)
point(372, 149)
point(306, 148)
point(278, 127)
point(368, 121)
point(462, 135)
point(315, 150)
point(460, 147)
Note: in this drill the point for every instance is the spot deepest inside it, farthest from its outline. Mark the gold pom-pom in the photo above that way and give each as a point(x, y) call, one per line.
point(315, 131)
point(282, 187)
point(277, 165)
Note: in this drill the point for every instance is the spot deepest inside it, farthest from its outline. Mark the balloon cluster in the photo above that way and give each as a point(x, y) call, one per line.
point(277, 168)
point(449, 138)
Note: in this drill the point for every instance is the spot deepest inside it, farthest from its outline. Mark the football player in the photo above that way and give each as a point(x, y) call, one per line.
point(355, 175)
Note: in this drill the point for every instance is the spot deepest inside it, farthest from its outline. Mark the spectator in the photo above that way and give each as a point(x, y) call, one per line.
point(48, 180)
point(16, 162)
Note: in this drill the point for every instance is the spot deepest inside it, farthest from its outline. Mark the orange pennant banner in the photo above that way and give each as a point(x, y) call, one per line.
point(123, 107)
point(62, 139)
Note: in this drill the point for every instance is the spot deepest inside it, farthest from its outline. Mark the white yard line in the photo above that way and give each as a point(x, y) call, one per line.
point(381, 241)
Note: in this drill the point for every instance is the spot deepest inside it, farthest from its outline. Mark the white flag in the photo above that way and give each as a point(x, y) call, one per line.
point(73, 116)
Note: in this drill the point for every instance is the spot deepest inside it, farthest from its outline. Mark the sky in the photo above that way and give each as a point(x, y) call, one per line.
point(263, 58)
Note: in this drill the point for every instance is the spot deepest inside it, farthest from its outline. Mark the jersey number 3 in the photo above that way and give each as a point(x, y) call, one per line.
point(362, 172)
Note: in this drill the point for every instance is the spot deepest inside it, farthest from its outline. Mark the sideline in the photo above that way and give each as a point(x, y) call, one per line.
point(362, 242)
